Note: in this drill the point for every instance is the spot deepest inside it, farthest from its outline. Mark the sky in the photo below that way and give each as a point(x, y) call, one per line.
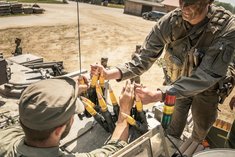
point(232, 2)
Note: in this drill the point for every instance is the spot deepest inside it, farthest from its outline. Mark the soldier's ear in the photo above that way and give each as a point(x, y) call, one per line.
point(58, 131)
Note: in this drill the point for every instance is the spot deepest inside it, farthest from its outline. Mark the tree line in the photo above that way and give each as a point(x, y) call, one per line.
point(227, 6)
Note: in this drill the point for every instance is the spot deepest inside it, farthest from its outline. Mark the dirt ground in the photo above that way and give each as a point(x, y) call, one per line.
point(104, 32)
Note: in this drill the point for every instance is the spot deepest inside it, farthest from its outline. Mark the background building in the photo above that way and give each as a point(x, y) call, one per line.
point(137, 7)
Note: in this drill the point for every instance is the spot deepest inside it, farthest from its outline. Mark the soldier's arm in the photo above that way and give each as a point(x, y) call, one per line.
point(9, 138)
point(213, 67)
point(117, 142)
point(121, 132)
point(150, 51)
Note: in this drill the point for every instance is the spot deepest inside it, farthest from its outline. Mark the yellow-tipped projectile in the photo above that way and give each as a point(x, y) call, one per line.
point(98, 89)
point(101, 79)
point(94, 79)
point(112, 96)
point(102, 103)
point(87, 101)
point(129, 119)
point(81, 80)
point(90, 109)
point(138, 104)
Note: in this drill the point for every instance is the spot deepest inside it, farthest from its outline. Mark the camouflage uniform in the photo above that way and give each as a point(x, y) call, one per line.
point(12, 145)
point(197, 60)
point(137, 51)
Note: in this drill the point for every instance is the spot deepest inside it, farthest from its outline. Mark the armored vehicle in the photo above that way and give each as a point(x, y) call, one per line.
point(19, 71)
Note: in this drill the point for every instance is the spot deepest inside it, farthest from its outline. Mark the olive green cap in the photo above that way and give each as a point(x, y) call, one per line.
point(49, 103)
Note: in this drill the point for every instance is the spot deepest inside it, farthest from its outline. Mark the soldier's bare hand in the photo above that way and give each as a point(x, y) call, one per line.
point(232, 102)
point(96, 69)
point(82, 83)
point(126, 99)
point(148, 96)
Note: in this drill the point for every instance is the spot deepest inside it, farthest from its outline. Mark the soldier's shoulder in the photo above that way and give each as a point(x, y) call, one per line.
point(176, 17)
point(220, 18)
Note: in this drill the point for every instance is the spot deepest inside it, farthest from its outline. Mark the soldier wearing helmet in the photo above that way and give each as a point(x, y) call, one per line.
point(198, 43)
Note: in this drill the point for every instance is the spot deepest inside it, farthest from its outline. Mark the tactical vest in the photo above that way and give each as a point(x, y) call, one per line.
point(181, 57)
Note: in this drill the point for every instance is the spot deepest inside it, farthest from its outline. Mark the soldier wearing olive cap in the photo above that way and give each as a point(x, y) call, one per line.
point(46, 111)
point(198, 43)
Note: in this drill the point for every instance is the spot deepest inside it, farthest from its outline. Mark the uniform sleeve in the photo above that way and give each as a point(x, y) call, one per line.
point(8, 138)
point(151, 49)
point(213, 67)
point(105, 151)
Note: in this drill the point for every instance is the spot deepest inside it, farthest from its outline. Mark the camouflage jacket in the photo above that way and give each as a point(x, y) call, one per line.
point(12, 145)
point(197, 57)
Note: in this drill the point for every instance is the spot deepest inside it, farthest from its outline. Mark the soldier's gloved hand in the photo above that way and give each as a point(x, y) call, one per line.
point(82, 83)
point(126, 99)
point(148, 96)
point(232, 102)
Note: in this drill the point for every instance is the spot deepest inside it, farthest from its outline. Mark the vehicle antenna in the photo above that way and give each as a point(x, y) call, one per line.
point(79, 42)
